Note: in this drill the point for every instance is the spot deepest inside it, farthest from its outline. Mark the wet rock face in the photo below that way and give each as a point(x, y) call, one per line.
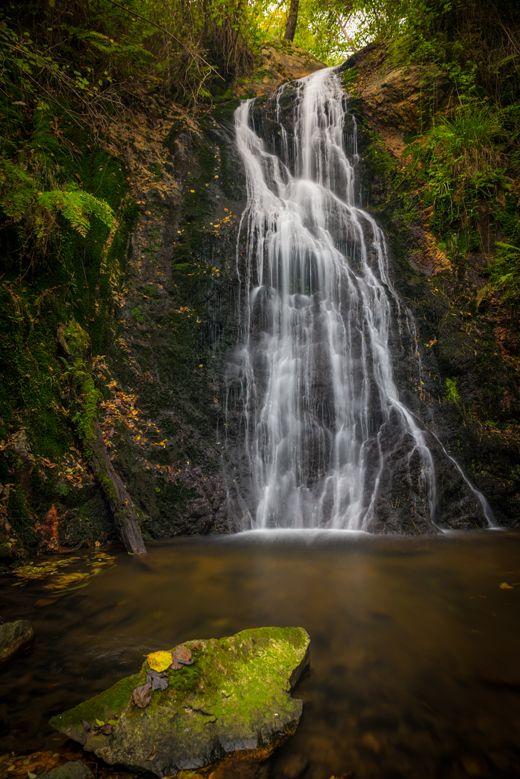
point(176, 322)
point(231, 700)
point(457, 341)
point(13, 637)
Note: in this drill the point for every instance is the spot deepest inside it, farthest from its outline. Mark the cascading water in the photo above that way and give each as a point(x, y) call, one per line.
point(325, 439)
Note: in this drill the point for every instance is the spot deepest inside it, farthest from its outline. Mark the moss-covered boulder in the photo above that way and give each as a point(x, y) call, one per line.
point(223, 696)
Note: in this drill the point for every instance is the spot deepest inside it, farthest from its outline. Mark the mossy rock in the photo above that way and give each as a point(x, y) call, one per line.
point(234, 699)
point(13, 637)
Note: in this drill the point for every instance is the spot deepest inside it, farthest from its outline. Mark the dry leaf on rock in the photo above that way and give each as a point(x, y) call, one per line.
point(142, 695)
point(157, 681)
point(181, 656)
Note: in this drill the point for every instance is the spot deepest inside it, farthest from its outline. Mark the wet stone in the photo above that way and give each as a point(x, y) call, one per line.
point(13, 637)
point(72, 770)
point(232, 700)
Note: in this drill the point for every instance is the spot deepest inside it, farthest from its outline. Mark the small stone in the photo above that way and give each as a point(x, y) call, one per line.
point(474, 766)
point(292, 766)
point(71, 770)
point(371, 742)
point(14, 636)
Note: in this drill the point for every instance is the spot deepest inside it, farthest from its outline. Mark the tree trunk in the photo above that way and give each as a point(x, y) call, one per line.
point(121, 504)
point(75, 343)
point(292, 20)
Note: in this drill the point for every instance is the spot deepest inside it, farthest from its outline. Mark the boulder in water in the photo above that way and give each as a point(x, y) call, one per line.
point(233, 699)
point(14, 636)
point(74, 769)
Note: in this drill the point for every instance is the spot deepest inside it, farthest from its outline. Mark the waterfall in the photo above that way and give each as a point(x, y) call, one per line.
point(325, 437)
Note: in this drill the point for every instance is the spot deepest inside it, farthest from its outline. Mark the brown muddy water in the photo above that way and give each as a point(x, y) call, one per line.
point(415, 662)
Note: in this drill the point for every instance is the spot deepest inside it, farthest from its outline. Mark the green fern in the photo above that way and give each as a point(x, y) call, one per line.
point(17, 190)
point(77, 207)
point(505, 271)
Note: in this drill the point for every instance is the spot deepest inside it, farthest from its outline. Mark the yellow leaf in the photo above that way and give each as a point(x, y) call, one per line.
point(505, 586)
point(159, 661)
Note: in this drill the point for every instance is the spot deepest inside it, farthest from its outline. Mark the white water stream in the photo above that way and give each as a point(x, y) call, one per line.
point(322, 417)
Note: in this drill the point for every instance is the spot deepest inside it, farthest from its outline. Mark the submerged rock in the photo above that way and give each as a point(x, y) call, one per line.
point(14, 636)
point(71, 770)
point(234, 698)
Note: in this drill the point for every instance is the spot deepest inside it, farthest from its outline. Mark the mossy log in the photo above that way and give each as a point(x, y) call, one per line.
point(116, 494)
point(75, 344)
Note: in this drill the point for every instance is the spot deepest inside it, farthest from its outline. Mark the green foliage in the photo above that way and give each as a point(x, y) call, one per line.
point(17, 190)
point(77, 206)
point(504, 272)
point(452, 391)
point(461, 165)
point(21, 202)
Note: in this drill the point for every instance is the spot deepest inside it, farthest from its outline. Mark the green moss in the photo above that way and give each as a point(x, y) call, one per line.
point(77, 340)
point(137, 314)
point(86, 417)
point(236, 690)
point(452, 391)
point(20, 517)
point(104, 706)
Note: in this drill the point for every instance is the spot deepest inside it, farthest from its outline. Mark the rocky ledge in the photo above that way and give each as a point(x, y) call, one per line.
point(190, 707)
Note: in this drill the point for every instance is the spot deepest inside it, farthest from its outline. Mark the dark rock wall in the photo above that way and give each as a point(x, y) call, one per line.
point(469, 353)
point(177, 323)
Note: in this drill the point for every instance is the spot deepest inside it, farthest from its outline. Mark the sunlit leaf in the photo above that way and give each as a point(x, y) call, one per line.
point(159, 661)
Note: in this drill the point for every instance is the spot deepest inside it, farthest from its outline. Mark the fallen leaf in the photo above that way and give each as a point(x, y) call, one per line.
point(181, 657)
point(505, 586)
point(159, 661)
point(141, 696)
point(157, 681)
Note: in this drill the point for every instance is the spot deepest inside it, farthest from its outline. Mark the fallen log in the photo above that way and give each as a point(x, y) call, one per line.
point(75, 344)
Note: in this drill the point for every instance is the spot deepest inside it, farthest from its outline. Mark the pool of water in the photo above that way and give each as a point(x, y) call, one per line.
point(415, 661)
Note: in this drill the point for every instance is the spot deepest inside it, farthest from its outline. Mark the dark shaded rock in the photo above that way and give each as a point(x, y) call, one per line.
point(234, 699)
point(72, 770)
point(14, 636)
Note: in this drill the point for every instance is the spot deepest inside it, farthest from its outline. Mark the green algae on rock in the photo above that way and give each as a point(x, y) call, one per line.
point(234, 698)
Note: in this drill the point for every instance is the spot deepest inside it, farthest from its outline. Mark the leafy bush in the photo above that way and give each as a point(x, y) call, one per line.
point(461, 165)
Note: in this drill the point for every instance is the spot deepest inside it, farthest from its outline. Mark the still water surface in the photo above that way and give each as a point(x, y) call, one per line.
point(415, 663)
